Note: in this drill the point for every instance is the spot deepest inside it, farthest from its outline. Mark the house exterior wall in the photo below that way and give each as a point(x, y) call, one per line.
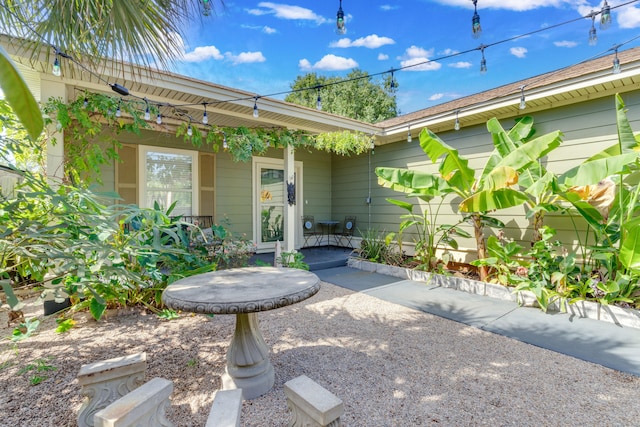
point(587, 127)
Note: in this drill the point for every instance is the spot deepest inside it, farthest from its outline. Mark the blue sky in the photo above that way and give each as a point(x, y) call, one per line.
point(262, 46)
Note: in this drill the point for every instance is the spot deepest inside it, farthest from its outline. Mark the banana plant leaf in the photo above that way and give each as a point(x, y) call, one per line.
point(19, 96)
point(489, 200)
point(412, 182)
point(453, 169)
point(530, 152)
point(630, 246)
point(594, 171)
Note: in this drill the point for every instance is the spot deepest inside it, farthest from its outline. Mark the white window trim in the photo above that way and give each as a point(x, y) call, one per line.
point(195, 173)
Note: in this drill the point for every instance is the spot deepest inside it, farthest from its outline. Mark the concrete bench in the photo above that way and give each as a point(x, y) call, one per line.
point(106, 381)
point(144, 406)
point(311, 404)
point(226, 409)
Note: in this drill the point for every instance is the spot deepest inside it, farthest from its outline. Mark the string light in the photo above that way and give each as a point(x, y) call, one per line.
point(123, 91)
point(118, 111)
point(523, 102)
point(205, 118)
point(319, 100)
point(476, 29)
point(593, 36)
point(159, 118)
point(605, 16)
point(483, 61)
point(341, 29)
point(189, 129)
point(86, 102)
point(456, 125)
point(616, 62)
point(225, 145)
point(206, 7)
point(147, 112)
point(56, 67)
point(372, 145)
point(409, 139)
point(392, 84)
point(256, 114)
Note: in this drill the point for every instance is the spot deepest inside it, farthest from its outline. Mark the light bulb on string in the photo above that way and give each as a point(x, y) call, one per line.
point(147, 112)
point(206, 7)
point(205, 118)
point(605, 16)
point(456, 125)
point(224, 141)
point(86, 102)
point(189, 130)
point(159, 118)
point(392, 83)
point(319, 101)
point(476, 29)
point(616, 63)
point(523, 102)
point(56, 71)
point(372, 145)
point(118, 111)
point(593, 35)
point(340, 22)
point(483, 61)
point(256, 113)
point(409, 139)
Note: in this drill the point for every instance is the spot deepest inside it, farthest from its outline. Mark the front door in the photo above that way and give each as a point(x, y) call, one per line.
point(270, 199)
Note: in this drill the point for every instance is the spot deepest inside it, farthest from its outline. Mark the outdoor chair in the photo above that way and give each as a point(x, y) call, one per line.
point(348, 227)
point(309, 231)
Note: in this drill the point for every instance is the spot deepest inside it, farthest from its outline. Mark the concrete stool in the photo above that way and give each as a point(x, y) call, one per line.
point(311, 404)
point(226, 409)
point(106, 381)
point(144, 406)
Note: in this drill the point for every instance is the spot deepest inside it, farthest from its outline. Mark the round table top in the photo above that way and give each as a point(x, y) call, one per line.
point(241, 290)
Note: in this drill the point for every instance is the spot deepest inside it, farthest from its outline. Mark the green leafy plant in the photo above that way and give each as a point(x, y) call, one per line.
point(168, 314)
point(493, 189)
point(25, 329)
point(293, 259)
point(64, 325)
point(430, 234)
point(503, 260)
point(37, 368)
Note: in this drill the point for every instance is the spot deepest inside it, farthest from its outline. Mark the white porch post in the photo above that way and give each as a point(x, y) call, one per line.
point(289, 210)
point(55, 153)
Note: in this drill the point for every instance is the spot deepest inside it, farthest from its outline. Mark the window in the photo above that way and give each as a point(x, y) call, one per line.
point(169, 176)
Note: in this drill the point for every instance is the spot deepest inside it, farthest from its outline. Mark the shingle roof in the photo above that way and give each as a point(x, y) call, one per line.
point(585, 68)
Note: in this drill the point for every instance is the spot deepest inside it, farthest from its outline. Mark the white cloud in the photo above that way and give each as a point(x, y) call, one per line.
point(286, 11)
point(461, 64)
point(265, 29)
point(566, 43)
point(268, 30)
point(436, 96)
point(328, 63)
point(372, 42)
point(245, 57)
point(629, 17)
point(448, 52)
point(202, 53)
point(519, 52)
point(383, 57)
point(417, 59)
point(387, 7)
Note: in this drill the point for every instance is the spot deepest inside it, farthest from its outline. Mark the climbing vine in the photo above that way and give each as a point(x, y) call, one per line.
point(93, 122)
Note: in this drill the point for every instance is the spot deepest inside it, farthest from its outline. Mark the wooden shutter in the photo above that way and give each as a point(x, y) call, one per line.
point(207, 163)
point(127, 174)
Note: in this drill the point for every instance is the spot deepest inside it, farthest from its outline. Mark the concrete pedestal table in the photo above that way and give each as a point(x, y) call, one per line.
point(243, 292)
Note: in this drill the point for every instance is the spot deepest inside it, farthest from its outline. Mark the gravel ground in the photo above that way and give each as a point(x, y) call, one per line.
point(391, 366)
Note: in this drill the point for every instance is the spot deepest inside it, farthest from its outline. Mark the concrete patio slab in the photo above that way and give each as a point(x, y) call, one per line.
point(462, 307)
